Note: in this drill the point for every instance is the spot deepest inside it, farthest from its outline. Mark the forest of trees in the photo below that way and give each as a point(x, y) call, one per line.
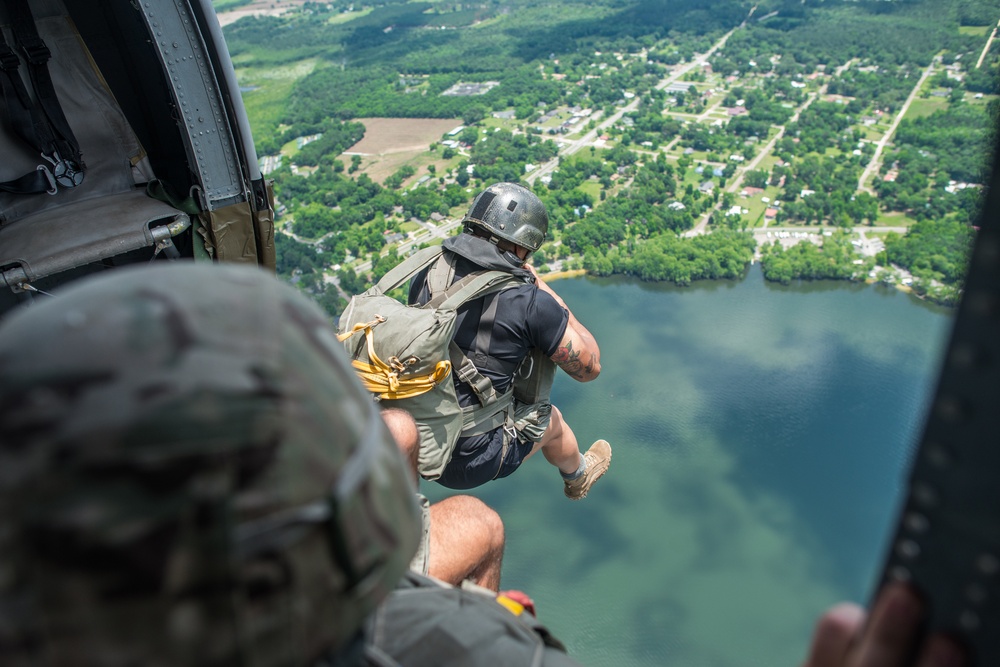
point(834, 260)
point(669, 257)
point(934, 250)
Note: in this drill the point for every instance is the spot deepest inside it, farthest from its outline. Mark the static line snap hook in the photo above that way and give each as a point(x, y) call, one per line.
point(53, 186)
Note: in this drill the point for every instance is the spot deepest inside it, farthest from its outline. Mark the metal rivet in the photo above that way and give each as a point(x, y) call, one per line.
point(925, 495)
point(950, 408)
point(981, 303)
point(975, 593)
point(908, 549)
point(965, 356)
point(969, 621)
point(988, 251)
point(988, 564)
point(916, 523)
point(938, 455)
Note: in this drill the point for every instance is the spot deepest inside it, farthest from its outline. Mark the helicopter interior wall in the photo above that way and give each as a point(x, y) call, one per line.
point(113, 92)
point(118, 41)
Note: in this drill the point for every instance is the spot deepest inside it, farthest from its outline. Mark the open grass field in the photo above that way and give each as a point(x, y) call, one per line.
point(895, 219)
point(266, 91)
point(978, 30)
point(344, 17)
point(925, 107)
point(756, 205)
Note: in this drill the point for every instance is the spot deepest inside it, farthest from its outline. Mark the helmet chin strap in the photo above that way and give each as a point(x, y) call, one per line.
point(509, 255)
point(512, 257)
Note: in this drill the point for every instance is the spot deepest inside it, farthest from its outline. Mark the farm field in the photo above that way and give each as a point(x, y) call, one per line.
point(390, 143)
point(401, 135)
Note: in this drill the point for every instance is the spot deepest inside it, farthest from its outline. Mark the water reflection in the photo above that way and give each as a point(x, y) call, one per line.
point(760, 438)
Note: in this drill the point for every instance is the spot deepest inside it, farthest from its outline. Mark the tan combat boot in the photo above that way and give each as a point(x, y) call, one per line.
point(597, 460)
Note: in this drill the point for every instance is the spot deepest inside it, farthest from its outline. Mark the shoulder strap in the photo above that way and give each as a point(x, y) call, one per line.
point(38, 56)
point(483, 282)
point(408, 268)
point(467, 371)
point(43, 125)
point(21, 119)
point(441, 274)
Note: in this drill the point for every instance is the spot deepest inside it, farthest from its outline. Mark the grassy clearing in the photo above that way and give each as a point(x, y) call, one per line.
point(381, 167)
point(349, 16)
point(895, 219)
point(871, 134)
point(226, 5)
point(592, 188)
point(695, 179)
point(271, 88)
point(756, 205)
point(977, 30)
point(290, 149)
point(769, 162)
point(925, 107)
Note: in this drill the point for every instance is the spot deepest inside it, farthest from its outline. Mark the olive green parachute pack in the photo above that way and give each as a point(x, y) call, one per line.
point(406, 355)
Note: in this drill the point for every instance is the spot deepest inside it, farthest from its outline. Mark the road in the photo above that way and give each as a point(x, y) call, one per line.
point(440, 231)
point(884, 141)
point(444, 229)
point(588, 139)
point(702, 224)
point(986, 49)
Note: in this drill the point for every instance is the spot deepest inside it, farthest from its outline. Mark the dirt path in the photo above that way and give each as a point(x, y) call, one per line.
point(986, 49)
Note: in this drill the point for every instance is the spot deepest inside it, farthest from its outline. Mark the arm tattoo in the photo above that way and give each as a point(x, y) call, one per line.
point(569, 360)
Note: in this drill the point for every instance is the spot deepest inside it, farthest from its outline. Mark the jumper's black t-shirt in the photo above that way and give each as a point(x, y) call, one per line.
point(526, 318)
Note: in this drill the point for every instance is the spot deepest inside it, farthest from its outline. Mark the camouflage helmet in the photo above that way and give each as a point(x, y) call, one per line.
point(510, 212)
point(190, 474)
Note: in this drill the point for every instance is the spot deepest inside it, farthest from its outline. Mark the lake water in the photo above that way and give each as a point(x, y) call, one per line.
point(761, 438)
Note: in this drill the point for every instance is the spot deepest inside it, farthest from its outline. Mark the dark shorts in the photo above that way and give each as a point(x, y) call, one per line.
point(477, 460)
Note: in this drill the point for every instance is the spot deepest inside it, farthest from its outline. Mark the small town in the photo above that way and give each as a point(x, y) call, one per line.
point(852, 163)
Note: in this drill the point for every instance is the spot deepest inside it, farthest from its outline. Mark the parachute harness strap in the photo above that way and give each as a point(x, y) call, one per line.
point(386, 378)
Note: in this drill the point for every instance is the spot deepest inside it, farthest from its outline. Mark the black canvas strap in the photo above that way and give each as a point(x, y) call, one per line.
point(41, 125)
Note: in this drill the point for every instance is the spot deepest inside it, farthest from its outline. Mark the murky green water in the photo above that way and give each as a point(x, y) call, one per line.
point(761, 437)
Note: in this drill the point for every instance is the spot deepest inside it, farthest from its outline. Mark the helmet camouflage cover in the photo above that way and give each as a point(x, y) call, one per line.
point(510, 212)
point(190, 474)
